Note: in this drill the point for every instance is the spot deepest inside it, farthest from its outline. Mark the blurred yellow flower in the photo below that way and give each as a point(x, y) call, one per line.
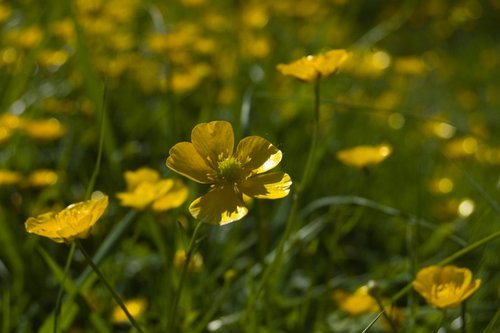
point(74, 221)
point(5, 12)
point(315, 67)
point(364, 156)
point(358, 303)
point(209, 159)
point(136, 307)
point(44, 129)
point(8, 177)
point(50, 58)
point(445, 287)
point(145, 189)
point(195, 263)
point(27, 38)
point(42, 178)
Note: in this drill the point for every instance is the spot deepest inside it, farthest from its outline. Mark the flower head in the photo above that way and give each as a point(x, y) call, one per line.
point(209, 159)
point(363, 156)
point(314, 67)
point(445, 287)
point(74, 221)
point(146, 189)
point(136, 307)
point(358, 303)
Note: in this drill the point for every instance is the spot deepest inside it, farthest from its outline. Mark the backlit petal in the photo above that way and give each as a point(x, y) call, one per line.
point(220, 206)
point(257, 155)
point(134, 178)
point(185, 160)
point(301, 69)
point(213, 141)
point(267, 186)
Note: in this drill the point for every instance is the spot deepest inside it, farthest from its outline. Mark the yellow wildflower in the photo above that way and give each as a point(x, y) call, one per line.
point(8, 177)
point(5, 12)
point(195, 263)
point(358, 303)
point(146, 189)
point(42, 178)
point(136, 307)
point(44, 129)
point(363, 156)
point(209, 159)
point(74, 221)
point(315, 67)
point(445, 287)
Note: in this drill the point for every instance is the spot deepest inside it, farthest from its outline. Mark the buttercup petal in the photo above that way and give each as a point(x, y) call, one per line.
point(267, 186)
point(214, 141)
point(329, 62)
point(300, 69)
point(257, 155)
point(134, 178)
point(471, 288)
point(220, 206)
point(185, 160)
point(175, 196)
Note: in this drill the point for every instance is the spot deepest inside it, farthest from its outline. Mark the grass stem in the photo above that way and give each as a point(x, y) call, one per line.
point(61, 287)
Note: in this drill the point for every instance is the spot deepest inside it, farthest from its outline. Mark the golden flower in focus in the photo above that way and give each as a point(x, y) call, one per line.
point(42, 178)
point(209, 159)
point(146, 189)
point(445, 287)
point(358, 303)
point(74, 221)
point(136, 307)
point(8, 177)
point(195, 263)
point(364, 156)
point(45, 129)
point(314, 67)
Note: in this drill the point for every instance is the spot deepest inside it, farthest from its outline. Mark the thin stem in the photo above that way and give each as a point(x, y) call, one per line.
point(115, 295)
point(177, 296)
point(462, 313)
point(443, 316)
point(387, 317)
point(276, 260)
point(61, 287)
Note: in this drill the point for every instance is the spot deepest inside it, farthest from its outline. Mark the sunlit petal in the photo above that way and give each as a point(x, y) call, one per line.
point(213, 141)
point(257, 155)
point(134, 178)
point(185, 160)
point(220, 206)
point(267, 186)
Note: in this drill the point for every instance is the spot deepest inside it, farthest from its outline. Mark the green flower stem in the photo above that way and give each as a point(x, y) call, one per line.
point(177, 296)
point(61, 287)
point(115, 295)
point(450, 259)
point(443, 317)
point(387, 317)
point(314, 140)
point(276, 260)
point(462, 313)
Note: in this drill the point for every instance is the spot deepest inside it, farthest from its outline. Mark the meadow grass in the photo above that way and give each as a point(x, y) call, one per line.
point(91, 90)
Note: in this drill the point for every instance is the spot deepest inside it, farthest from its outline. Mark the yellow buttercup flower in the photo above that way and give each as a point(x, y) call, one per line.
point(74, 221)
point(43, 129)
point(195, 263)
point(445, 287)
point(209, 159)
point(314, 67)
point(136, 307)
point(364, 156)
point(146, 189)
point(8, 177)
point(358, 303)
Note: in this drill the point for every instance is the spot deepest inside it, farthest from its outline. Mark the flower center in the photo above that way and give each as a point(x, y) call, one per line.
point(229, 170)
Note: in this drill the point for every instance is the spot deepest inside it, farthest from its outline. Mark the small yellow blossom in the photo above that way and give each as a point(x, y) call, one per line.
point(314, 67)
point(364, 156)
point(44, 129)
point(195, 263)
point(209, 159)
point(49, 58)
point(146, 189)
point(74, 221)
point(5, 12)
point(445, 287)
point(42, 178)
point(8, 177)
point(136, 307)
point(27, 38)
point(358, 303)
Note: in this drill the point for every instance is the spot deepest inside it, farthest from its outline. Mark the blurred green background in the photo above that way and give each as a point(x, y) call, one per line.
point(423, 77)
